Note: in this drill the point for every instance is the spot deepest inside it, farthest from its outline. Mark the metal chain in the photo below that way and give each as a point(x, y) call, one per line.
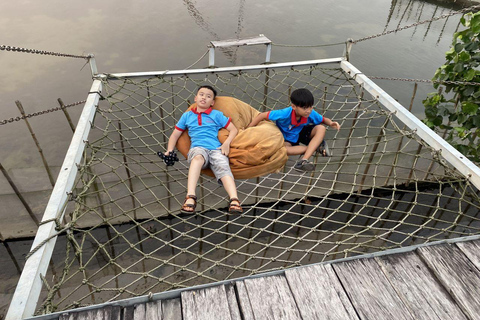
point(443, 16)
point(429, 81)
point(35, 51)
point(40, 112)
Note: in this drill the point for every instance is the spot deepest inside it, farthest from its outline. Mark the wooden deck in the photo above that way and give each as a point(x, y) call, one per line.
point(439, 281)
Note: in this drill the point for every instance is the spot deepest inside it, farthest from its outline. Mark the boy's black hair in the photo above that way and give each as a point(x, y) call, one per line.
point(206, 86)
point(302, 98)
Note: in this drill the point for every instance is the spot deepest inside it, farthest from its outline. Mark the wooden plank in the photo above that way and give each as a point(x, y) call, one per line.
point(369, 290)
point(139, 312)
point(232, 302)
point(271, 298)
point(95, 314)
point(244, 301)
point(419, 289)
point(172, 309)
point(210, 303)
point(128, 312)
point(457, 274)
point(472, 250)
point(319, 293)
point(153, 310)
point(112, 312)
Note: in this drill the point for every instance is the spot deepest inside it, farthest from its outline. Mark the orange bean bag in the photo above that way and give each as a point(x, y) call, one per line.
point(255, 151)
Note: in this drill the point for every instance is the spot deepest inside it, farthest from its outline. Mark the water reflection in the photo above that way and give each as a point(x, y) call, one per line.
point(204, 25)
point(412, 11)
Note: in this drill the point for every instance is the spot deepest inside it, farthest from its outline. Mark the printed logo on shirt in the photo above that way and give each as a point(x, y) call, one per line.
point(209, 121)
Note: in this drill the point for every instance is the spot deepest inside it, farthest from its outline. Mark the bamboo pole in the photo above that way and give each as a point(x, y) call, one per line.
point(400, 142)
point(19, 195)
point(22, 111)
point(67, 115)
point(10, 253)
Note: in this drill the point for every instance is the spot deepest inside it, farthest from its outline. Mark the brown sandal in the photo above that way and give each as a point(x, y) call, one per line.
point(189, 206)
point(235, 208)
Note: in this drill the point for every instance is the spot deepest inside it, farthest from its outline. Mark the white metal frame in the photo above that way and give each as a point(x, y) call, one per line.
point(218, 70)
point(29, 286)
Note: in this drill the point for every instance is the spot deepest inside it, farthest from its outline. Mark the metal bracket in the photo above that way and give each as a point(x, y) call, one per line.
point(93, 64)
point(261, 39)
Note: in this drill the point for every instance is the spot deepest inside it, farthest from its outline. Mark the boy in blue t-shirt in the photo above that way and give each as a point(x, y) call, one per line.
point(203, 124)
point(299, 123)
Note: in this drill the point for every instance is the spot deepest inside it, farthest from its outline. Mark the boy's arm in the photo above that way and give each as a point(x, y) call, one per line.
point(330, 123)
point(172, 141)
point(258, 118)
point(232, 133)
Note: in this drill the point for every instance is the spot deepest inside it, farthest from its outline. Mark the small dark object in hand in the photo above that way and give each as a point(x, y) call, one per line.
point(170, 159)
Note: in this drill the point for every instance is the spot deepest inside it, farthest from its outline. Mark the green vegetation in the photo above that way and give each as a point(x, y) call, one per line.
point(455, 107)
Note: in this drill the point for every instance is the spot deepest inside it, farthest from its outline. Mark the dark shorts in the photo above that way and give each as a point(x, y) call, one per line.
point(303, 136)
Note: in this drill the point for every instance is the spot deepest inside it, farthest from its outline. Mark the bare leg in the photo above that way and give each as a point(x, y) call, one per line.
point(294, 150)
point(193, 175)
point(317, 135)
point(229, 185)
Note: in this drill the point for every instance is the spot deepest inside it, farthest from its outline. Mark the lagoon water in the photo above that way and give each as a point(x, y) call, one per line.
point(167, 35)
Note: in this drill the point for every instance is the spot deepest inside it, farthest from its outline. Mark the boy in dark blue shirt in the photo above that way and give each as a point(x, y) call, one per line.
point(203, 124)
point(299, 123)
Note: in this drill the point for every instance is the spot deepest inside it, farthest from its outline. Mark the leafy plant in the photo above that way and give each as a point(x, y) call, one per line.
point(454, 108)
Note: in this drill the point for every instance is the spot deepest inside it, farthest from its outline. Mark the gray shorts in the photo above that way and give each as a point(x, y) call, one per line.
point(214, 159)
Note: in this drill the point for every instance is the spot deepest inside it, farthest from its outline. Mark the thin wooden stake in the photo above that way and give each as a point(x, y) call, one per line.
point(399, 147)
point(22, 111)
point(19, 195)
point(10, 253)
point(67, 115)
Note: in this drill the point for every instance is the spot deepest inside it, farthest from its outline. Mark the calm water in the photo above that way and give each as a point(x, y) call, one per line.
point(167, 35)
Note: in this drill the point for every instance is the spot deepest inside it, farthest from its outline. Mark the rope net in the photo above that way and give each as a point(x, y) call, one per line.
point(383, 188)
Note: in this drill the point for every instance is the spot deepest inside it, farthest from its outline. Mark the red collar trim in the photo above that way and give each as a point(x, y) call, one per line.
point(208, 111)
point(199, 114)
point(303, 120)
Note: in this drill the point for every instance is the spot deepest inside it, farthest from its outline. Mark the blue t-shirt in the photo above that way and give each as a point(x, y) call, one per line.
point(203, 127)
point(286, 121)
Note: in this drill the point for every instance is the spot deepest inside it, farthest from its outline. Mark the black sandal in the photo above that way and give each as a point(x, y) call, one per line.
point(235, 208)
point(186, 205)
point(324, 150)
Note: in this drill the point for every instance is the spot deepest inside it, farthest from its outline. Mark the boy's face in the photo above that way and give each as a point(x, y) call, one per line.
point(301, 111)
point(204, 98)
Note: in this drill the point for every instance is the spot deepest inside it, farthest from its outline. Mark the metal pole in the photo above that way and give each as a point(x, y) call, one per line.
point(269, 52)
point(211, 57)
point(93, 64)
point(348, 48)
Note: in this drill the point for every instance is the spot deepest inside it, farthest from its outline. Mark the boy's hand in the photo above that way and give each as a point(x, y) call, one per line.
point(168, 157)
point(225, 148)
point(335, 125)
